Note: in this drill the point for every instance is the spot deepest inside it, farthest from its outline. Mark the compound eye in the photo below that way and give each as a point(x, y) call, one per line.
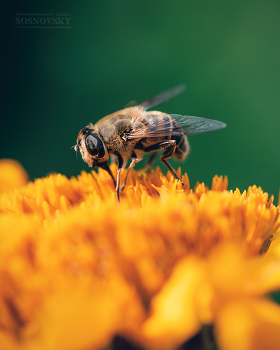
point(95, 146)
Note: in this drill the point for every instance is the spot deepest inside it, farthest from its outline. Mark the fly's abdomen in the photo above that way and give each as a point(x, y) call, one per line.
point(183, 147)
point(182, 144)
point(160, 127)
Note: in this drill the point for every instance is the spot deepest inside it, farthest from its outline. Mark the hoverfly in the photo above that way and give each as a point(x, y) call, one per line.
point(133, 132)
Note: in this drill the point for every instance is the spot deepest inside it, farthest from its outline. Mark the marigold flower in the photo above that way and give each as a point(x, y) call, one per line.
point(76, 270)
point(12, 175)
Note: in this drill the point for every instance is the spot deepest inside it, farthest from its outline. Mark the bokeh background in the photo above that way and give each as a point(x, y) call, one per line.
point(55, 81)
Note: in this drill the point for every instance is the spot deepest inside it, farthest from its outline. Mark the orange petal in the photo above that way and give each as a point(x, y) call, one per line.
point(249, 325)
point(174, 319)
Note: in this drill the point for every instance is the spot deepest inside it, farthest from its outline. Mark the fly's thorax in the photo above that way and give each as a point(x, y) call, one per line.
point(114, 131)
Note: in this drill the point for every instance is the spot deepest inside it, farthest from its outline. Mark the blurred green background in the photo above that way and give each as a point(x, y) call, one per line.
point(55, 81)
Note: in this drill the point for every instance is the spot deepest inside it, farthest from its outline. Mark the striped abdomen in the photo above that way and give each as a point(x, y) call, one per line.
point(161, 128)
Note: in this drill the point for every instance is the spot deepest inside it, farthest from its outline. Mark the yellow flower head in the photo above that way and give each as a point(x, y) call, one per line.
point(76, 270)
point(12, 175)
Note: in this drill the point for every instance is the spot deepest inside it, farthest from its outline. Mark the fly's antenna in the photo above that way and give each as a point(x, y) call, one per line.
point(76, 148)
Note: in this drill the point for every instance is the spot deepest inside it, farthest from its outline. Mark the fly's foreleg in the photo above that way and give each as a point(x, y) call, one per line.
point(106, 167)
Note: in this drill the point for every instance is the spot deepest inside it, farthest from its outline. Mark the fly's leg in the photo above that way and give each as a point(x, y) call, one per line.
point(134, 160)
point(150, 161)
point(169, 147)
point(168, 154)
point(106, 167)
point(113, 159)
point(120, 166)
point(131, 166)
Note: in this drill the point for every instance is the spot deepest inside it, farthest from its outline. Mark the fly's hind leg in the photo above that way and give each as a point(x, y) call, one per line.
point(150, 161)
point(169, 147)
point(168, 154)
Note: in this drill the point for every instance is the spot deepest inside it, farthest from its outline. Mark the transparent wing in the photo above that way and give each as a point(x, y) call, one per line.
point(164, 96)
point(177, 125)
point(197, 125)
point(131, 104)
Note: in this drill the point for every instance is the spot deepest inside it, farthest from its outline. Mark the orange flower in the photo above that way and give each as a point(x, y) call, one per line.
point(12, 175)
point(76, 270)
